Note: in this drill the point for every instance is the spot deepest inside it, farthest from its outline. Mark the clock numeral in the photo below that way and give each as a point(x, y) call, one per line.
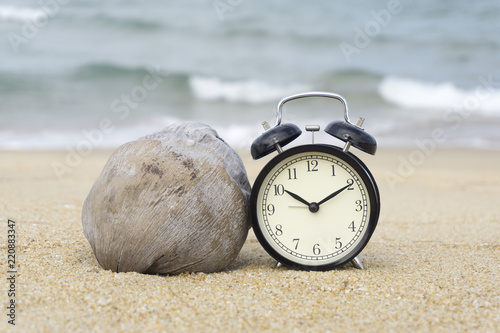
point(296, 240)
point(333, 170)
point(350, 182)
point(279, 230)
point(329, 243)
point(279, 189)
point(359, 207)
point(270, 209)
point(352, 227)
point(312, 166)
point(292, 174)
point(338, 243)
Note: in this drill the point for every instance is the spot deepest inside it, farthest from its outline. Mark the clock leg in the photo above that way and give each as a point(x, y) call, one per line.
point(278, 264)
point(357, 263)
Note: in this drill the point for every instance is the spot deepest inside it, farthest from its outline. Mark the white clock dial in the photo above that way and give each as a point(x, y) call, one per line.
point(313, 208)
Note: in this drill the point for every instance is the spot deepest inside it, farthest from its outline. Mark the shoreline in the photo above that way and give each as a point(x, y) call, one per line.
point(431, 265)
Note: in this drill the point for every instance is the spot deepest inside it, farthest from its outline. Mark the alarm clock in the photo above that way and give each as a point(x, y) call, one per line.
point(314, 206)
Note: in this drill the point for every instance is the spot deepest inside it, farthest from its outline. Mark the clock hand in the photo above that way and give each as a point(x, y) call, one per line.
point(296, 197)
point(333, 194)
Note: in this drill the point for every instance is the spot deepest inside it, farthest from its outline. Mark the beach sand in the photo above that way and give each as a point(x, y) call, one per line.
point(431, 266)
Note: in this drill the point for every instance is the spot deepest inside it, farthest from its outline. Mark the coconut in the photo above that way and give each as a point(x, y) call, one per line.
point(170, 202)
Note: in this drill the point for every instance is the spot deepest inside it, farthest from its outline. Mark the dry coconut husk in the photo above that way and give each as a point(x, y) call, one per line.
point(170, 202)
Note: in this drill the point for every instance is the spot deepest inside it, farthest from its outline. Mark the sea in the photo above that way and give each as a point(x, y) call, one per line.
point(75, 73)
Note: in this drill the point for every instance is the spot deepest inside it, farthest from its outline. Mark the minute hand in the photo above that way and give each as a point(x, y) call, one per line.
point(333, 194)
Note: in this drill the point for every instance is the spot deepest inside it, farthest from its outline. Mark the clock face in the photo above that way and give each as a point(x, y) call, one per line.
point(314, 207)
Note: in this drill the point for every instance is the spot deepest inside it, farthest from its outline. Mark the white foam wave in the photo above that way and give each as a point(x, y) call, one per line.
point(89, 138)
point(237, 136)
point(415, 94)
point(10, 13)
point(252, 91)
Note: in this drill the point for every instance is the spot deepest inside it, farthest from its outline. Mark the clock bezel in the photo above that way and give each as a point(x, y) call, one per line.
point(348, 158)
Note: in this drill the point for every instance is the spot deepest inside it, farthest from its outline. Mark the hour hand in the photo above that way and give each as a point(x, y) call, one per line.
point(296, 197)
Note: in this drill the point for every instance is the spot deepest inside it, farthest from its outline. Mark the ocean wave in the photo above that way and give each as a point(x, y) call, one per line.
point(202, 88)
point(19, 14)
point(359, 81)
point(355, 74)
point(251, 91)
point(98, 70)
point(105, 70)
point(77, 138)
point(134, 24)
point(238, 136)
point(414, 94)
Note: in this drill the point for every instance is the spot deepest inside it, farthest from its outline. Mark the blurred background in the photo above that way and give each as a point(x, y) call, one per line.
point(110, 71)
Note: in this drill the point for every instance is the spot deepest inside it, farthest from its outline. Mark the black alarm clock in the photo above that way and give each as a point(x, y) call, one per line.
point(314, 206)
